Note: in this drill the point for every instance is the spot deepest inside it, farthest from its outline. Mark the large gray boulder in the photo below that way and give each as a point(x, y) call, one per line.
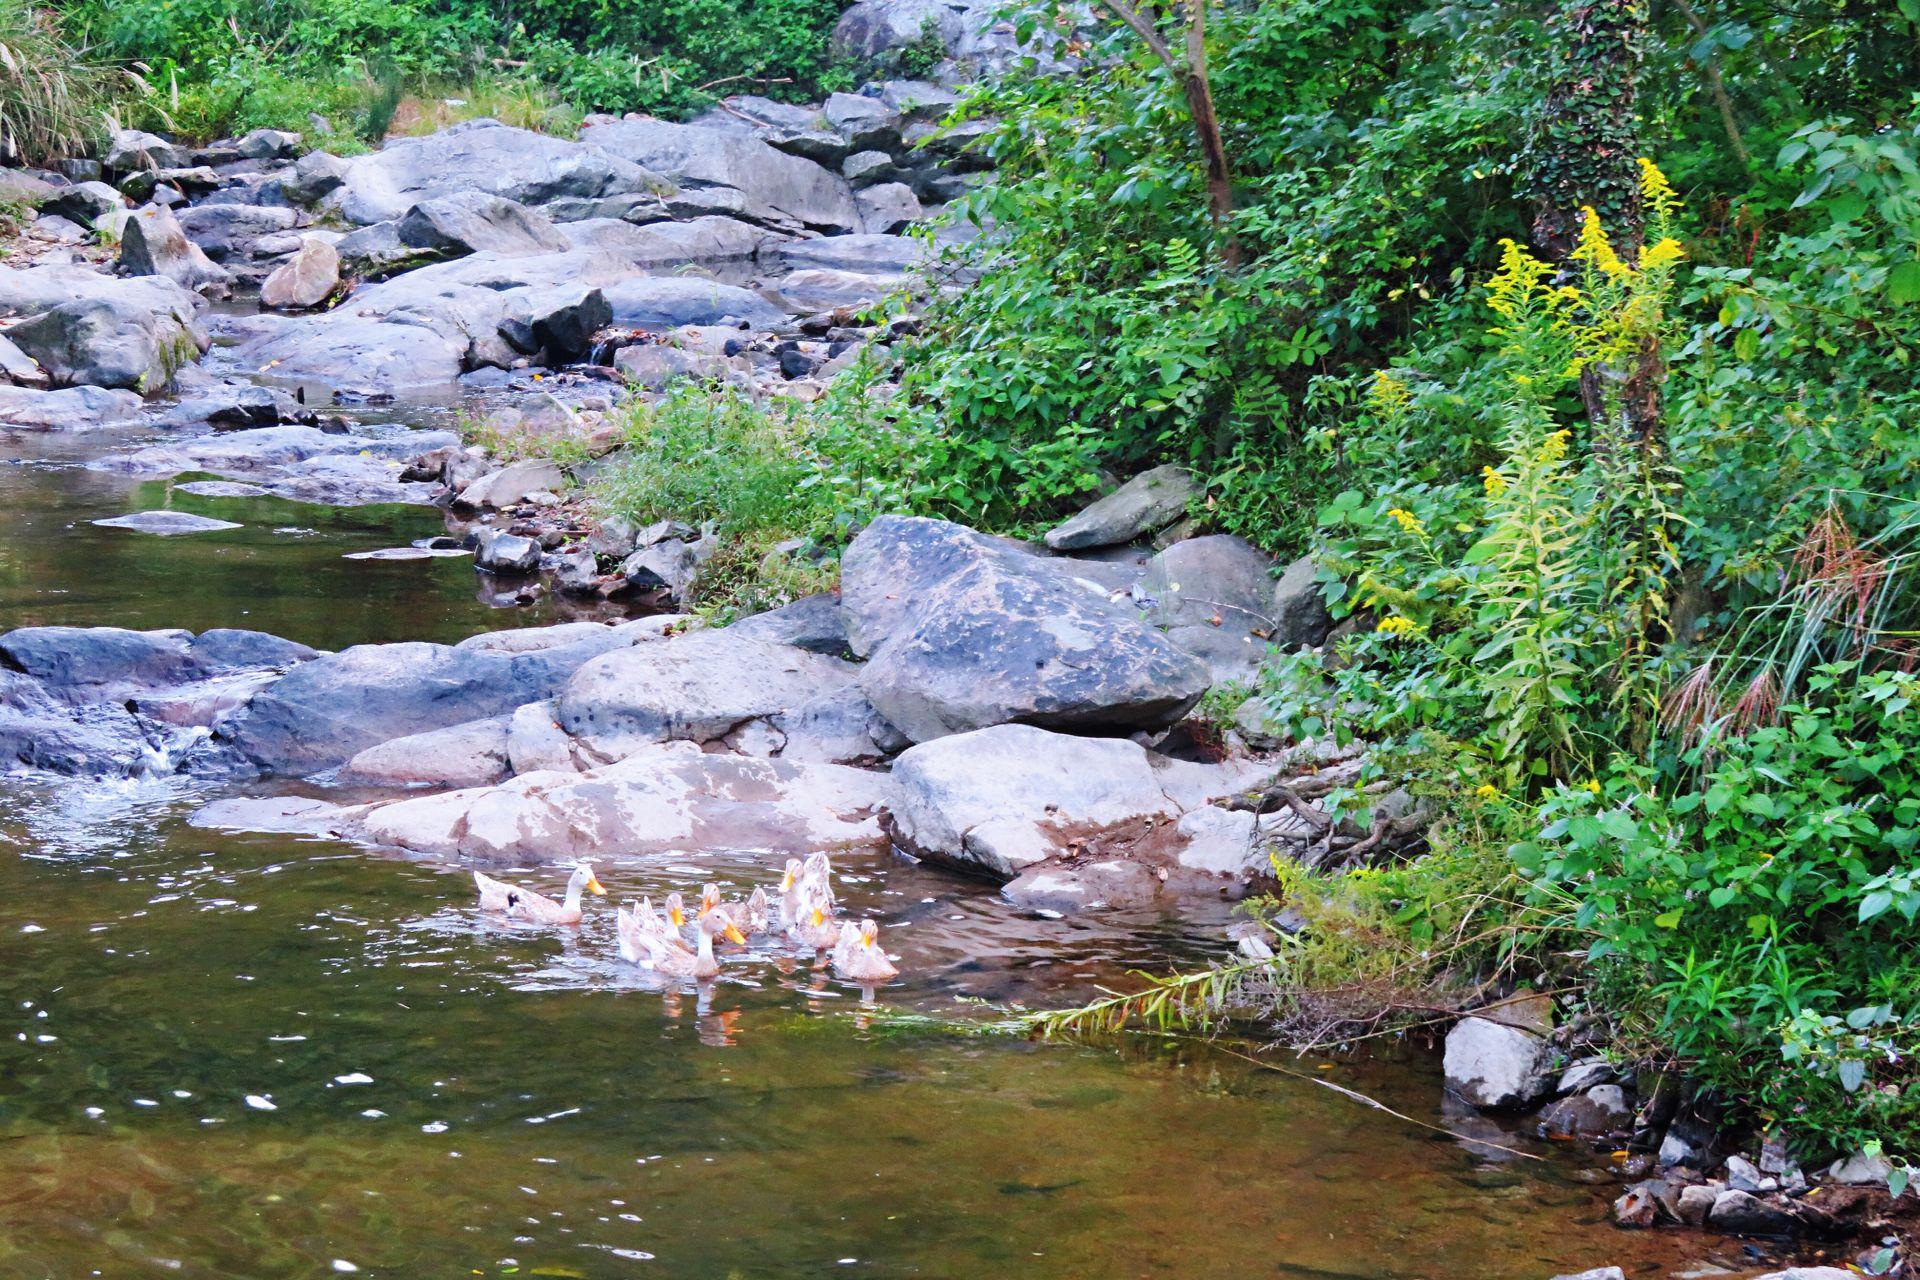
point(18, 368)
point(153, 244)
point(108, 701)
point(962, 631)
point(27, 291)
point(473, 754)
point(109, 342)
point(463, 222)
point(1145, 504)
point(696, 687)
point(328, 711)
point(739, 174)
point(816, 289)
point(481, 155)
point(226, 231)
point(866, 254)
point(668, 302)
point(1496, 1066)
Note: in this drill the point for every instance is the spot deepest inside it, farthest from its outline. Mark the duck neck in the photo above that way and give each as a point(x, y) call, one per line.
point(575, 887)
point(706, 945)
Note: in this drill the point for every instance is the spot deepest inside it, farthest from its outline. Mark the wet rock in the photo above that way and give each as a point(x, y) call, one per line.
point(1004, 799)
point(130, 149)
point(85, 202)
point(153, 244)
point(825, 289)
point(304, 281)
point(473, 754)
point(752, 179)
point(108, 342)
point(576, 574)
point(376, 251)
point(1811, 1273)
point(1647, 1203)
point(1600, 1109)
point(166, 523)
point(71, 409)
point(497, 551)
point(484, 156)
point(474, 222)
point(559, 324)
point(236, 406)
point(1582, 1076)
point(964, 631)
point(670, 798)
point(1742, 1175)
point(226, 231)
point(654, 366)
point(1696, 1202)
point(1148, 502)
point(1110, 883)
point(695, 687)
point(1494, 1066)
point(1596, 1273)
point(1741, 1213)
point(511, 484)
point(1676, 1150)
point(670, 302)
point(329, 710)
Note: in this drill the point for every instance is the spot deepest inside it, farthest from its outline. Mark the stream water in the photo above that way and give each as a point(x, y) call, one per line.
point(253, 1056)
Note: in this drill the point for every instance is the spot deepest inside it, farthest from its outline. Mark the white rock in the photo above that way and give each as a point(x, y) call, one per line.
point(1495, 1066)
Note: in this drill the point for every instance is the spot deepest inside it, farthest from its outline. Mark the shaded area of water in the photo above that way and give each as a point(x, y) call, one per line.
point(283, 571)
point(250, 1057)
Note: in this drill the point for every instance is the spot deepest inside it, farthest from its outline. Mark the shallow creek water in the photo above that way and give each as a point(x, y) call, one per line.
point(253, 1056)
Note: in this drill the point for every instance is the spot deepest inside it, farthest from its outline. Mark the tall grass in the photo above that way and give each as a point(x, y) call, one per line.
point(53, 96)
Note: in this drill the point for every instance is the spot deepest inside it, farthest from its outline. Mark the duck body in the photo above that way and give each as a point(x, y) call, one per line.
point(815, 928)
point(517, 903)
point(675, 959)
point(857, 957)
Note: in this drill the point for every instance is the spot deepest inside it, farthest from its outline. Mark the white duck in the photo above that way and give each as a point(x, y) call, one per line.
point(674, 958)
point(857, 957)
point(814, 927)
point(635, 925)
point(524, 904)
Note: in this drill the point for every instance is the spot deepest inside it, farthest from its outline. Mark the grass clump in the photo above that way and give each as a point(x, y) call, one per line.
point(53, 93)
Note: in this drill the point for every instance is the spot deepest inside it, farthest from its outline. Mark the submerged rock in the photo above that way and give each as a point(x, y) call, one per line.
point(166, 523)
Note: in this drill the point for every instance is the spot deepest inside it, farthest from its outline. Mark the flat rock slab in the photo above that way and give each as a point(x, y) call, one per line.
point(1148, 502)
point(407, 553)
point(669, 799)
point(166, 524)
point(222, 489)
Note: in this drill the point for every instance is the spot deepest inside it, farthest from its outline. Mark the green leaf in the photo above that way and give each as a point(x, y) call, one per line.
point(1668, 920)
point(1903, 283)
point(1874, 904)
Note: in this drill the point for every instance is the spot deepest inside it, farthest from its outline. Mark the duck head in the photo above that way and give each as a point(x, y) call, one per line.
point(583, 878)
point(791, 874)
point(709, 901)
point(676, 909)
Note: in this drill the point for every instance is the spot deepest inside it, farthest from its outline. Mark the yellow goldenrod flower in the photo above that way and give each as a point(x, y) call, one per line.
point(1656, 190)
point(1595, 249)
point(1662, 254)
point(1487, 791)
point(1494, 483)
point(1408, 522)
point(1389, 396)
point(1396, 626)
point(1554, 447)
point(1516, 282)
point(1593, 785)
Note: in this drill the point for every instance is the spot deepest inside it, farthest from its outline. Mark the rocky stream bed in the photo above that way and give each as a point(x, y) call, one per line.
point(283, 658)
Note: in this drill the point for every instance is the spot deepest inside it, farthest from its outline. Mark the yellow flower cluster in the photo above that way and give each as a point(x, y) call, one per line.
point(1593, 784)
point(1389, 396)
point(1595, 248)
point(1494, 483)
point(1516, 282)
point(1554, 447)
point(1408, 522)
point(1396, 626)
point(1664, 253)
point(1656, 190)
point(1486, 791)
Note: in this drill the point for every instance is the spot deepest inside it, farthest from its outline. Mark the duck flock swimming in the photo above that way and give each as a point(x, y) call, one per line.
point(667, 942)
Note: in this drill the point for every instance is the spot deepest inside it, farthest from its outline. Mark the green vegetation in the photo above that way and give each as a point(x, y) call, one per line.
point(1609, 464)
point(53, 94)
point(218, 66)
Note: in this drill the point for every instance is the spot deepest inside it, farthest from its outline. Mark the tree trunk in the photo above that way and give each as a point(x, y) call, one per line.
point(1584, 151)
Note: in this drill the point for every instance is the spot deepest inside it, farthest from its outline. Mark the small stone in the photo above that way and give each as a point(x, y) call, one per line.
point(1861, 1170)
point(1583, 1075)
point(1743, 1176)
point(1674, 1150)
point(499, 552)
point(1493, 1065)
point(1637, 1207)
point(1598, 1110)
